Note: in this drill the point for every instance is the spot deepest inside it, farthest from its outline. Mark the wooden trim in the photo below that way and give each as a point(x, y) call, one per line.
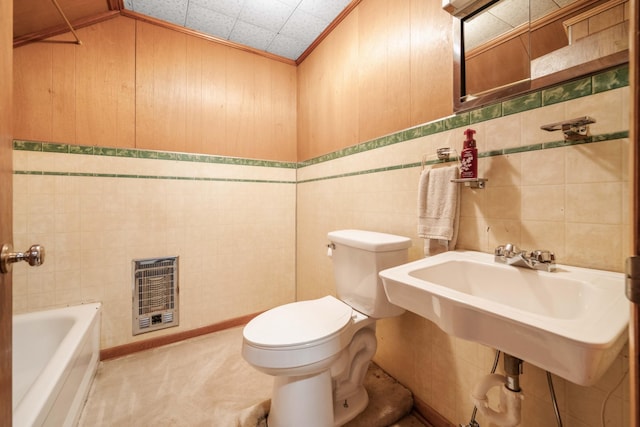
point(561, 13)
point(518, 31)
point(6, 211)
point(634, 362)
point(328, 30)
point(134, 347)
point(190, 32)
point(530, 27)
point(61, 29)
point(433, 417)
point(634, 187)
point(116, 4)
point(593, 12)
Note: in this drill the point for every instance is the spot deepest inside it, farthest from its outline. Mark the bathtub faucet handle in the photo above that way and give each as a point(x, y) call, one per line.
point(34, 256)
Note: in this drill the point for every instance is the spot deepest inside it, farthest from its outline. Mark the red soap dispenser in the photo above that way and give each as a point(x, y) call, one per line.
point(469, 156)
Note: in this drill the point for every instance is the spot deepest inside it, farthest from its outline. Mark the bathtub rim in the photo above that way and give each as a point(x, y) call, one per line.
point(40, 393)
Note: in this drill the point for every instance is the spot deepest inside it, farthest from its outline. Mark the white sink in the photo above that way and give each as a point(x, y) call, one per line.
point(571, 322)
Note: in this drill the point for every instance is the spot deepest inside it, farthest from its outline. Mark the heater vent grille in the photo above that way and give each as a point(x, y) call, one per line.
point(155, 294)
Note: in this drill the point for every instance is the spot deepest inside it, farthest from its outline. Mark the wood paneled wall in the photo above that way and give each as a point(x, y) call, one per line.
point(197, 96)
point(6, 196)
point(78, 94)
point(136, 85)
point(386, 67)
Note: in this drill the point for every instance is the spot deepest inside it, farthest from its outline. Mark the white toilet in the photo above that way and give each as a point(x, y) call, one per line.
point(319, 350)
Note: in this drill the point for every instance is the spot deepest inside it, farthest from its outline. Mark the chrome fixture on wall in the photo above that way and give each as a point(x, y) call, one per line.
point(573, 128)
point(537, 260)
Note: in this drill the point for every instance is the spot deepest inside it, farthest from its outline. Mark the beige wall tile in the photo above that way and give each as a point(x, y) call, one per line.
point(544, 235)
point(100, 224)
point(595, 162)
point(543, 203)
point(502, 171)
point(543, 167)
point(594, 245)
point(598, 203)
point(504, 132)
point(503, 203)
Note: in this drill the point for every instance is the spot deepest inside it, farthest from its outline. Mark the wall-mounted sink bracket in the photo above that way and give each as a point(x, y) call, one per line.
point(572, 129)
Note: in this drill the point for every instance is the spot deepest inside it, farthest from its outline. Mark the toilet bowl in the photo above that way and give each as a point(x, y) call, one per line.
point(306, 357)
point(318, 351)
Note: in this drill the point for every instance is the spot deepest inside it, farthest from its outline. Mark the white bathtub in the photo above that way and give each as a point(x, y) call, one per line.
point(55, 357)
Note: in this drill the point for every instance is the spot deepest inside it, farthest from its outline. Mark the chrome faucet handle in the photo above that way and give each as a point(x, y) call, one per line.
point(511, 250)
point(544, 256)
point(507, 250)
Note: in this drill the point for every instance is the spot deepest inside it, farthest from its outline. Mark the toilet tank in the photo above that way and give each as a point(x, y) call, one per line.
point(358, 257)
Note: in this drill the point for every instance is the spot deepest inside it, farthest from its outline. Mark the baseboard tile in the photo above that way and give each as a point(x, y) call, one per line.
point(134, 347)
point(430, 415)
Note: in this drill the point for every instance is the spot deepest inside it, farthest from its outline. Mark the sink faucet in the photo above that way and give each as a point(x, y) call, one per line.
point(538, 260)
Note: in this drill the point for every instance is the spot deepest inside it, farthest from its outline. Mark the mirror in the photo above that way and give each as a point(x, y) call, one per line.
point(509, 47)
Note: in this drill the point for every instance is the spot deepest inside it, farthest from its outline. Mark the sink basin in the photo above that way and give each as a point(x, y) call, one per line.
point(571, 322)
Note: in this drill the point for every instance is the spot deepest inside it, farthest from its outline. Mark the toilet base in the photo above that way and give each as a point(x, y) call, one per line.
point(307, 401)
point(302, 401)
point(348, 408)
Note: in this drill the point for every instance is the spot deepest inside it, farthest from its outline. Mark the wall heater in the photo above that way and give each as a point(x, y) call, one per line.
point(155, 294)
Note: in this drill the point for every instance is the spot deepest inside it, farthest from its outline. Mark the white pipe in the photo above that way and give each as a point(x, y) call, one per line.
point(510, 405)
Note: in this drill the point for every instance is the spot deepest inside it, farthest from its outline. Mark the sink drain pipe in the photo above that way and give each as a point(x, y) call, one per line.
point(473, 422)
point(511, 397)
point(512, 369)
point(511, 384)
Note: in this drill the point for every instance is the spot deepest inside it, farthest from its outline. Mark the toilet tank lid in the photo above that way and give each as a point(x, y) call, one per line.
point(369, 240)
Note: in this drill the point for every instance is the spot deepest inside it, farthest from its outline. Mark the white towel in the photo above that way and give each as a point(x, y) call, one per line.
point(438, 209)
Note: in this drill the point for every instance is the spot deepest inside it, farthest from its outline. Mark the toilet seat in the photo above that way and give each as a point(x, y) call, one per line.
point(296, 334)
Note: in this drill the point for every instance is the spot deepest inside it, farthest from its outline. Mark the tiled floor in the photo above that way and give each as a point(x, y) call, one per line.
point(199, 382)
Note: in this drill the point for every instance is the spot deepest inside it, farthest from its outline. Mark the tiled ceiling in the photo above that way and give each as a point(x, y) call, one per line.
point(282, 27)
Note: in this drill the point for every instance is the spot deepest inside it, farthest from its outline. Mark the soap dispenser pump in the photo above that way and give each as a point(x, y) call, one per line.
point(469, 157)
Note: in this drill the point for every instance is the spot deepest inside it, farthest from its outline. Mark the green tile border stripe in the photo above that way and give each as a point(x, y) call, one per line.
point(162, 177)
point(51, 147)
point(493, 153)
point(601, 82)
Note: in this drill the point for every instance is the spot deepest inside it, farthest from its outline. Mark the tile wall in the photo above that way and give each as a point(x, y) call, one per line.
point(542, 192)
point(231, 222)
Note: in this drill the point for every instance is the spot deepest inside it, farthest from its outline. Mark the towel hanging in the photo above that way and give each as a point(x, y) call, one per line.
point(438, 209)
